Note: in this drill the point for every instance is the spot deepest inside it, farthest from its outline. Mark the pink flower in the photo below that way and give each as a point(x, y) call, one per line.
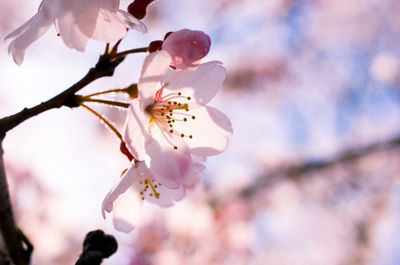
point(186, 47)
point(170, 121)
point(77, 21)
point(137, 184)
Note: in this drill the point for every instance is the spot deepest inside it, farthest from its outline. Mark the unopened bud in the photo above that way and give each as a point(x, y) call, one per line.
point(186, 47)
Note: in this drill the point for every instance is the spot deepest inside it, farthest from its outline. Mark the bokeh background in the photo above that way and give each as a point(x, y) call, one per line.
point(311, 175)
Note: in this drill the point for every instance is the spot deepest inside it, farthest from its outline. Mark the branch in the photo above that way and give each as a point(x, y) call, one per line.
point(9, 230)
point(17, 244)
point(104, 67)
point(295, 171)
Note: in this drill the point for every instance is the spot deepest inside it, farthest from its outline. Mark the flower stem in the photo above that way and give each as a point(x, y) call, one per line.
point(109, 125)
point(138, 50)
point(106, 102)
point(116, 90)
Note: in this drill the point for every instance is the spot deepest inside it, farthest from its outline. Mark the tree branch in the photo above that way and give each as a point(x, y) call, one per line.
point(295, 171)
point(17, 244)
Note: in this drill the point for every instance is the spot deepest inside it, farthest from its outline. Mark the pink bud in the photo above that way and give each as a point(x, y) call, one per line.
point(186, 47)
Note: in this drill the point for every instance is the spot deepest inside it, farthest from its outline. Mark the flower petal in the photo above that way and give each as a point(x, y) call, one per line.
point(109, 27)
point(70, 32)
point(133, 22)
point(32, 30)
point(201, 83)
point(172, 167)
point(124, 183)
point(126, 213)
point(155, 66)
point(136, 130)
point(210, 131)
point(167, 197)
point(111, 5)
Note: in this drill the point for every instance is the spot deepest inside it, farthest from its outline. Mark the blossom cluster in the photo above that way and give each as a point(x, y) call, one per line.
point(169, 129)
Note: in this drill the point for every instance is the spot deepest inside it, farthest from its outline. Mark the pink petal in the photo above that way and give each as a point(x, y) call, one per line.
point(210, 131)
point(126, 213)
point(172, 167)
point(85, 15)
point(110, 5)
point(154, 68)
point(167, 197)
point(124, 183)
point(25, 35)
point(200, 83)
point(109, 27)
point(133, 22)
point(136, 130)
point(71, 34)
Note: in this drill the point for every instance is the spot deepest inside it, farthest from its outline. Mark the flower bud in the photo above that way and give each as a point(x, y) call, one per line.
point(138, 8)
point(186, 47)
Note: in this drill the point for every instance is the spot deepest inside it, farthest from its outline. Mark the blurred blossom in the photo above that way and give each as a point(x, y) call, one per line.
point(385, 68)
point(77, 22)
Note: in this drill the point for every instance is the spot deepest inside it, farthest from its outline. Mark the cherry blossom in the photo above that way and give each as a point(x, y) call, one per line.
point(77, 21)
point(186, 47)
point(170, 122)
point(137, 184)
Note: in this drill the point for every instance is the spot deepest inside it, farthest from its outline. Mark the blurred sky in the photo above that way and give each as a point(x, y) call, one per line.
point(306, 80)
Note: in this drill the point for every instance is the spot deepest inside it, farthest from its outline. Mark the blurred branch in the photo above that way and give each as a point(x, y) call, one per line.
point(297, 171)
point(96, 247)
point(4, 258)
point(14, 243)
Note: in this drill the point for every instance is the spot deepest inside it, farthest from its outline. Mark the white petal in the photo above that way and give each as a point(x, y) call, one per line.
point(26, 34)
point(124, 183)
point(172, 167)
point(154, 69)
point(71, 34)
point(210, 131)
point(136, 130)
point(111, 5)
point(200, 83)
point(126, 213)
point(133, 22)
point(167, 197)
point(109, 27)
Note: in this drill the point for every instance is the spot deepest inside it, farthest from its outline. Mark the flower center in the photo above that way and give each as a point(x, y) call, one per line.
point(148, 185)
point(167, 110)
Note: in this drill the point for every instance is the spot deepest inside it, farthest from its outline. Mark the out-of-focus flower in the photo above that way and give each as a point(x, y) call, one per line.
point(186, 47)
point(77, 21)
point(138, 8)
point(137, 184)
point(169, 122)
